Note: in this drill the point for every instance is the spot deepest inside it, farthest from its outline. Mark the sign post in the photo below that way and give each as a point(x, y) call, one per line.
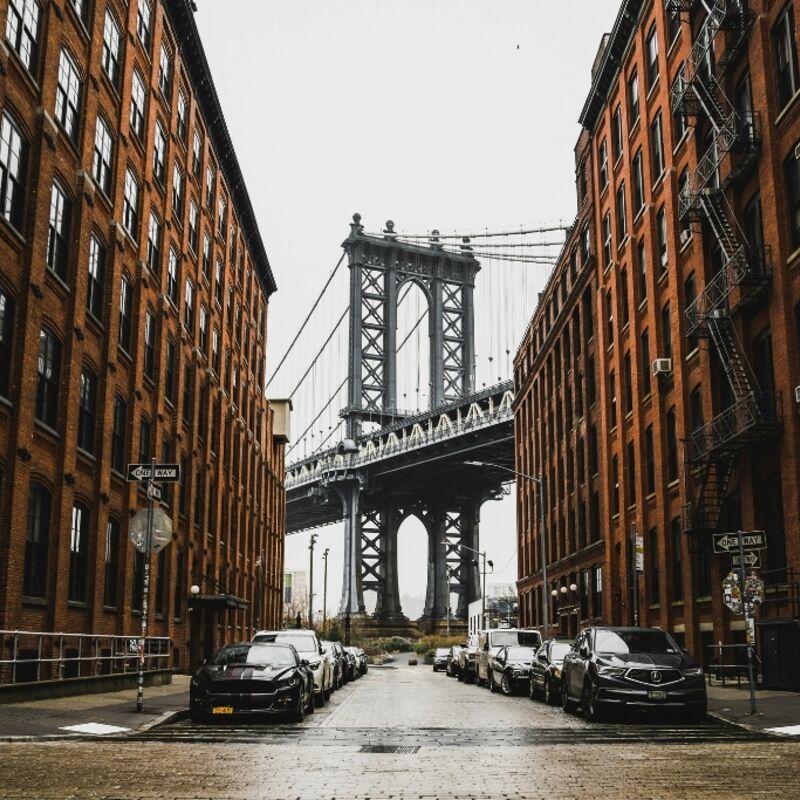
point(742, 578)
point(146, 543)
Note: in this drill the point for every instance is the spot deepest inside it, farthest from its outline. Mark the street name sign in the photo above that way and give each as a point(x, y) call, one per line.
point(153, 491)
point(752, 560)
point(170, 473)
point(729, 542)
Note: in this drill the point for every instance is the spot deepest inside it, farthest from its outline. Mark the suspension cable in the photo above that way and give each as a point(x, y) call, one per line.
point(322, 411)
point(482, 235)
point(305, 321)
point(320, 351)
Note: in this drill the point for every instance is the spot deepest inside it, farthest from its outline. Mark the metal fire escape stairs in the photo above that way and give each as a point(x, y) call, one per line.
point(743, 279)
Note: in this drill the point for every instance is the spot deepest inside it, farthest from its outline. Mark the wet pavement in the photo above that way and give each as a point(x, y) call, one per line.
point(404, 733)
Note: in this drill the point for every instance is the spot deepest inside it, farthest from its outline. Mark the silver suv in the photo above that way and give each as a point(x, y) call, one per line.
point(309, 649)
point(490, 642)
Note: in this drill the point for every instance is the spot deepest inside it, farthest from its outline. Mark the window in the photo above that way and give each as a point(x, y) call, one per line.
point(149, 344)
point(666, 332)
point(68, 95)
point(207, 257)
point(210, 188)
point(6, 334)
point(37, 536)
point(614, 485)
point(638, 183)
point(622, 221)
point(144, 440)
point(144, 22)
point(197, 153)
point(631, 477)
point(673, 25)
point(684, 192)
point(591, 380)
point(661, 233)
point(676, 547)
point(101, 159)
point(130, 204)
point(110, 57)
point(172, 276)
point(623, 296)
point(678, 120)
point(609, 318)
point(188, 306)
point(22, 30)
point(586, 245)
point(654, 593)
point(78, 554)
point(125, 308)
point(118, 434)
point(203, 333)
point(159, 153)
point(58, 231)
point(791, 172)
point(13, 158)
point(645, 369)
point(165, 71)
point(603, 159)
point(154, 244)
point(169, 371)
point(783, 37)
point(187, 398)
point(616, 133)
point(222, 221)
point(628, 388)
point(193, 233)
point(111, 564)
point(651, 57)
point(48, 376)
point(633, 99)
point(754, 231)
point(657, 148)
point(180, 122)
point(689, 296)
point(607, 239)
point(87, 402)
point(215, 350)
point(177, 193)
point(672, 446)
point(650, 461)
point(138, 100)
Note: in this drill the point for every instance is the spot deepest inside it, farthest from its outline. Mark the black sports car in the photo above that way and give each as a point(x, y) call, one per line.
point(511, 668)
point(546, 670)
point(253, 678)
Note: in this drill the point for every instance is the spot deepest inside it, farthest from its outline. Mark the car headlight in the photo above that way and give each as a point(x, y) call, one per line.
point(520, 673)
point(693, 672)
point(611, 672)
point(314, 664)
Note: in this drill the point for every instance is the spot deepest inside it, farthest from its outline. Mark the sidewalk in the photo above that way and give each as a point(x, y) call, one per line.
point(102, 714)
point(776, 709)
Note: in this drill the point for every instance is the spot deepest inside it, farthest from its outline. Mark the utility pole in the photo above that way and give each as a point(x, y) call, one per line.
point(745, 611)
point(447, 597)
point(311, 581)
point(325, 593)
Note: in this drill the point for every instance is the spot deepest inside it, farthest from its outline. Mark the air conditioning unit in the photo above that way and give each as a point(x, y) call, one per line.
point(685, 236)
point(797, 394)
point(662, 366)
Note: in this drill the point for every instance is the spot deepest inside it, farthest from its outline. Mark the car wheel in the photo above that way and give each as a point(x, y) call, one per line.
point(490, 684)
point(460, 676)
point(567, 705)
point(319, 700)
point(505, 685)
point(327, 694)
point(310, 706)
point(532, 689)
point(299, 713)
point(549, 692)
point(589, 705)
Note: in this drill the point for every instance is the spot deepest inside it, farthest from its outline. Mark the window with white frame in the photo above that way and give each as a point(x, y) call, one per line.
point(607, 239)
point(785, 43)
point(144, 23)
point(154, 243)
point(165, 71)
point(188, 306)
point(180, 123)
point(130, 204)
point(94, 290)
point(138, 101)
point(657, 147)
point(172, 276)
point(159, 153)
point(193, 223)
point(125, 312)
point(197, 153)
point(22, 30)
point(149, 364)
point(651, 56)
point(207, 256)
point(210, 188)
point(68, 94)
point(203, 332)
point(177, 193)
point(111, 40)
point(101, 158)
point(58, 231)
point(603, 159)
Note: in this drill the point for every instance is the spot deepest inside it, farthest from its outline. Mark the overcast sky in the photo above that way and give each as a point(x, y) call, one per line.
point(453, 114)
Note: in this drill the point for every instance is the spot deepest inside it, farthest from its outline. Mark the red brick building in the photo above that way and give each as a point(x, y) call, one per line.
point(689, 185)
point(133, 308)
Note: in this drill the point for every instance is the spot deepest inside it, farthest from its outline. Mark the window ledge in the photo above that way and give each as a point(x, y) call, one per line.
point(788, 108)
point(43, 427)
point(34, 601)
point(635, 127)
point(662, 278)
point(692, 354)
point(17, 234)
point(86, 455)
point(706, 598)
point(110, 609)
point(677, 603)
point(77, 604)
point(652, 90)
point(658, 182)
point(4, 401)
point(681, 141)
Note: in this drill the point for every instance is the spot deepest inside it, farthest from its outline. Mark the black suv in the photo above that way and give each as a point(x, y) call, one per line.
point(636, 667)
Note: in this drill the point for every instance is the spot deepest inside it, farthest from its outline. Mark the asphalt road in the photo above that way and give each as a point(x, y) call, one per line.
point(409, 733)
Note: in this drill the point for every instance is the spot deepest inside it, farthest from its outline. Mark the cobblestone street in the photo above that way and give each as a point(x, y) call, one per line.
point(471, 744)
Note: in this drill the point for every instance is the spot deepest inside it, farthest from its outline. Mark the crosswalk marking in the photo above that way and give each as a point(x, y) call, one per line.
point(96, 728)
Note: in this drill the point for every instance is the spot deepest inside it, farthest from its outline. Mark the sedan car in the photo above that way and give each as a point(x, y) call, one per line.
point(467, 667)
point(511, 669)
point(250, 679)
point(330, 652)
point(631, 668)
point(440, 658)
point(546, 670)
point(452, 668)
point(352, 669)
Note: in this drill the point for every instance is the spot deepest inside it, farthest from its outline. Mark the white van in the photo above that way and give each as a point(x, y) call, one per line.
point(489, 642)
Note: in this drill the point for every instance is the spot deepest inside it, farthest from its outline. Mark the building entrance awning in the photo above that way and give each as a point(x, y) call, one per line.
point(217, 601)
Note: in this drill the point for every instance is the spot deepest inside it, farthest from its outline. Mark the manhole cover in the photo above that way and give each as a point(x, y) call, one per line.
point(386, 748)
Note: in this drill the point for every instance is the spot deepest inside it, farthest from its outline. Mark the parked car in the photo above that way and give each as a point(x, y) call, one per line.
point(511, 669)
point(440, 658)
point(309, 648)
point(452, 667)
point(342, 659)
point(467, 668)
point(362, 661)
point(252, 678)
point(352, 669)
point(330, 652)
point(631, 667)
point(546, 670)
point(490, 642)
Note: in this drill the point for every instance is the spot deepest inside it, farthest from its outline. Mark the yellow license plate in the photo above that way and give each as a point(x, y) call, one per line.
point(222, 710)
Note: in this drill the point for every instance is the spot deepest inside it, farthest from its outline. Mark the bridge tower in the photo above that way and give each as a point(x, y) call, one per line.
point(379, 267)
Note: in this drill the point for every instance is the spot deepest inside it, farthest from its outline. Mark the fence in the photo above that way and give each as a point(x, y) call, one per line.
point(728, 662)
point(30, 656)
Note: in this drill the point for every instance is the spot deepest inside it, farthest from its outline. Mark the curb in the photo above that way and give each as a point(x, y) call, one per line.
point(161, 719)
point(744, 726)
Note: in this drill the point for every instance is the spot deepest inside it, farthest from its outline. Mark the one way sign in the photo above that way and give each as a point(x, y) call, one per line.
point(729, 542)
point(162, 472)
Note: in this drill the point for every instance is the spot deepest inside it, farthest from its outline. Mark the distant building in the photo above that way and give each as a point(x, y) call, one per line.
point(295, 596)
point(133, 311)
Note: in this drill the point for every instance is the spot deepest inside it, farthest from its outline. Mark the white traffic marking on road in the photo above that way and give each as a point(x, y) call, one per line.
point(789, 730)
point(96, 728)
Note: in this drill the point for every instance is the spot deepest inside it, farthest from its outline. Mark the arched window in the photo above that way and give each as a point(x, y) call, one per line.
point(37, 540)
point(68, 95)
point(87, 410)
point(78, 553)
point(103, 155)
point(58, 230)
point(49, 370)
point(13, 159)
point(111, 40)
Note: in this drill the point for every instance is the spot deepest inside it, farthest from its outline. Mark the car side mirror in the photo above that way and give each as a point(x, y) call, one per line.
point(684, 651)
point(304, 662)
point(584, 651)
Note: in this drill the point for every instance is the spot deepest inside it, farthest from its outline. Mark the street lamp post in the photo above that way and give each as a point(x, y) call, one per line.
point(325, 592)
point(542, 538)
point(311, 581)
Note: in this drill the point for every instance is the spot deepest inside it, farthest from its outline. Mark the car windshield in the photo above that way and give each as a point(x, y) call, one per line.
point(558, 650)
point(442, 651)
point(622, 642)
point(303, 643)
point(255, 654)
point(520, 654)
point(523, 638)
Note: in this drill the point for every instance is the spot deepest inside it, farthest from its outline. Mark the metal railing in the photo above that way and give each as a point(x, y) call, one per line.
point(724, 666)
point(31, 656)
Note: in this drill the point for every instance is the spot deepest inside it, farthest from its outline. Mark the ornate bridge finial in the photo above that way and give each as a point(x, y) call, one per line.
point(434, 239)
point(465, 246)
point(389, 230)
point(356, 228)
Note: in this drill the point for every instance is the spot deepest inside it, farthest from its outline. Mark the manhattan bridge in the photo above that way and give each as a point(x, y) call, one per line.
point(392, 406)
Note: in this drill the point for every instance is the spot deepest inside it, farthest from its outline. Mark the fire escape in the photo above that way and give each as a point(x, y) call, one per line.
point(744, 277)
